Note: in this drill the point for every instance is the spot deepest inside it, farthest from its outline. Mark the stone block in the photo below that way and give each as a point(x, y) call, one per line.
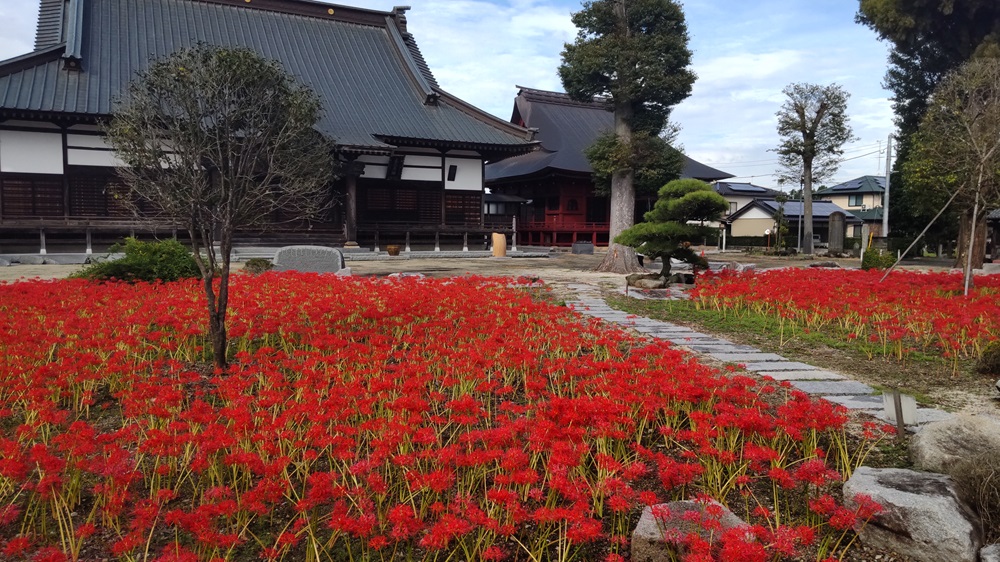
point(817, 375)
point(922, 516)
point(743, 357)
point(583, 248)
point(779, 366)
point(310, 259)
point(661, 527)
point(830, 388)
point(990, 553)
point(939, 446)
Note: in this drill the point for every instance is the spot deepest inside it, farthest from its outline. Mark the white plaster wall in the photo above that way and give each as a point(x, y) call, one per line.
point(30, 152)
point(468, 177)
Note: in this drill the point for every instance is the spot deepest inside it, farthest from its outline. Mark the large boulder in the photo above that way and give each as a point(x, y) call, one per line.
point(940, 446)
point(663, 526)
point(922, 516)
point(990, 553)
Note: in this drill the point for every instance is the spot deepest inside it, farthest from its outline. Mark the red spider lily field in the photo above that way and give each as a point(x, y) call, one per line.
point(907, 313)
point(368, 419)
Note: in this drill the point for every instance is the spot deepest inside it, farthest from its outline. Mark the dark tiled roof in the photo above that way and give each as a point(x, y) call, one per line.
point(994, 215)
point(793, 209)
point(733, 189)
point(566, 127)
point(869, 215)
point(364, 65)
point(864, 184)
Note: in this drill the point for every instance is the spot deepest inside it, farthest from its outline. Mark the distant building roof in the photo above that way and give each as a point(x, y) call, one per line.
point(821, 210)
point(864, 184)
point(869, 215)
point(736, 189)
point(566, 127)
point(994, 215)
point(374, 85)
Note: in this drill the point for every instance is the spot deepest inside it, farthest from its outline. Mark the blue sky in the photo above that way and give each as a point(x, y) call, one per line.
point(744, 54)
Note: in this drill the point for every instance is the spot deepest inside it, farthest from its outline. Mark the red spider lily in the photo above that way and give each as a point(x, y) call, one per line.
point(367, 416)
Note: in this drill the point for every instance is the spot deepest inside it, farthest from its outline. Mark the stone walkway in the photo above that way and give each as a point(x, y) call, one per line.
point(829, 385)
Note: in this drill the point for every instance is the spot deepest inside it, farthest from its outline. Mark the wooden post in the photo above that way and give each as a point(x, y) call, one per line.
point(465, 242)
point(376, 239)
point(437, 241)
point(90, 249)
point(407, 241)
point(351, 221)
point(897, 404)
point(41, 236)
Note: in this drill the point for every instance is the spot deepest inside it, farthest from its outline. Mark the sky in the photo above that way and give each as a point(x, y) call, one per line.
point(744, 54)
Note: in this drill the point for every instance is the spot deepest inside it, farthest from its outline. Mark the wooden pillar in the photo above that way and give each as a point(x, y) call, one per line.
point(437, 241)
point(90, 249)
point(354, 170)
point(376, 240)
point(407, 241)
point(351, 220)
point(465, 242)
point(41, 240)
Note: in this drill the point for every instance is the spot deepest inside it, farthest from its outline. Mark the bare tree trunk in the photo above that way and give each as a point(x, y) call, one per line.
point(620, 258)
point(807, 207)
point(965, 228)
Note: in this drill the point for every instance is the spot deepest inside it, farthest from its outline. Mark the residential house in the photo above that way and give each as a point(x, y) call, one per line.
point(416, 153)
point(759, 217)
point(740, 195)
point(862, 197)
point(557, 180)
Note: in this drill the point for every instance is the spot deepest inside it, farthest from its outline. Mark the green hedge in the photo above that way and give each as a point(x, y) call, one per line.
point(166, 260)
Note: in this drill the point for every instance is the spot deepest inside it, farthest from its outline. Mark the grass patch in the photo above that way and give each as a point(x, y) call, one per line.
point(922, 375)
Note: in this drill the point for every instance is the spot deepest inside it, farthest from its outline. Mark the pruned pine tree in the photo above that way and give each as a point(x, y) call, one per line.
point(678, 221)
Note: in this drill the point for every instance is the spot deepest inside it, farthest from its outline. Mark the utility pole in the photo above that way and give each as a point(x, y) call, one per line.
point(885, 196)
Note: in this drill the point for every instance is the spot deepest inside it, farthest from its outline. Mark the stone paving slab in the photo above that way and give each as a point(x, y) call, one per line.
point(924, 415)
point(719, 347)
point(666, 329)
point(779, 366)
point(692, 338)
point(746, 357)
point(830, 388)
point(867, 402)
point(817, 375)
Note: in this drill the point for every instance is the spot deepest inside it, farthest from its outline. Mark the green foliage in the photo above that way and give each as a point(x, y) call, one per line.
point(666, 233)
point(256, 266)
point(165, 260)
point(877, 259)
point(652, 158)
point(642, 64)
point(813, 126)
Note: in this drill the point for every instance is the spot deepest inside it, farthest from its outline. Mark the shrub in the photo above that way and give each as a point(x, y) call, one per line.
point(877, 259)
point(256, 266)
point(989, 361)
point(165, 260)
point(978, 481)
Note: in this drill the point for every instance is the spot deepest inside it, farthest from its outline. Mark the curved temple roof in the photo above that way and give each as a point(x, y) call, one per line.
point(375, 86)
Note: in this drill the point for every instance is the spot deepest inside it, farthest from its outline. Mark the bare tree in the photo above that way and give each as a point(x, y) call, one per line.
point(214, 140)
point(813, 126)
point(957, 147)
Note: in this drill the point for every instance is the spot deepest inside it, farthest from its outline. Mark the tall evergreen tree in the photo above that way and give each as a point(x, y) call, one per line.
point(929, 39)
point(634, 53)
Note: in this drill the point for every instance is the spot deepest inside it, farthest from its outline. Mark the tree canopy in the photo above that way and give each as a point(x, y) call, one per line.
point(633, 54)
point(929, 39)
point(676, 222)
point(813, 126)
point(215, 139)
point(957, 147)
